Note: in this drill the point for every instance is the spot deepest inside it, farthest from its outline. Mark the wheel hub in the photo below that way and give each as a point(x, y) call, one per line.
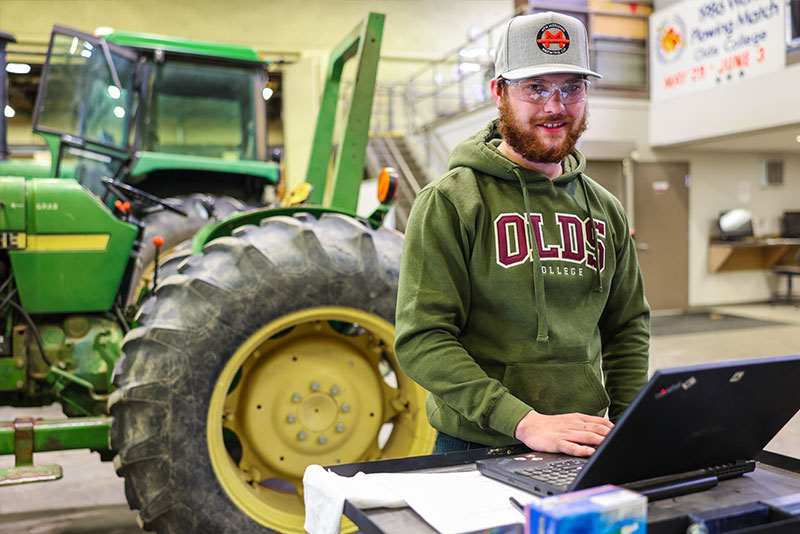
point(307, 398)
point(318, 412)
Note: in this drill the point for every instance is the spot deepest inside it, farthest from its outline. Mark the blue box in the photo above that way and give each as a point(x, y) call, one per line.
point(602, 510)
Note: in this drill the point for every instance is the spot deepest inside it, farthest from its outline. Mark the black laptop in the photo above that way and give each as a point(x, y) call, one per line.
point(688, 428)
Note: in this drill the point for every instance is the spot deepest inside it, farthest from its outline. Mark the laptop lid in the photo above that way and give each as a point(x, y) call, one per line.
point(694, 417)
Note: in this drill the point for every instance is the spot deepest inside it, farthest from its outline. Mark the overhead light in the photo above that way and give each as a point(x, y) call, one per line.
point(103, 30)
point(267, 93)
point(9, 111)
point(468, 66)
point(472, 52)
point(18, 68)
point(73, 46)
point(119, 112)
point(797, 138)
point(113, 92)
point(86, 53)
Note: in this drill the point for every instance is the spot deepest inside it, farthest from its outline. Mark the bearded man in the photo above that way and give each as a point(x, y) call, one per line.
point(521, 307)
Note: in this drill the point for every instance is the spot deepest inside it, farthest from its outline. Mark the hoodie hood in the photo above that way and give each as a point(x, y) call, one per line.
point(480, 152)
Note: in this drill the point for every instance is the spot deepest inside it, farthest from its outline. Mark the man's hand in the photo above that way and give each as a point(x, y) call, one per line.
point(573, 433)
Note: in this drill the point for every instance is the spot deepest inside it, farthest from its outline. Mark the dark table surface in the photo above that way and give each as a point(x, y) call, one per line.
point(775, 476)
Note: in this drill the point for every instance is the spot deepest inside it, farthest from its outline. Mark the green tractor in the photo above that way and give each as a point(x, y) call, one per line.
point(189, 115)
point(265, 346)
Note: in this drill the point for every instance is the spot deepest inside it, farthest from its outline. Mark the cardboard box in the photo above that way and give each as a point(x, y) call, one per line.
point(601, 510)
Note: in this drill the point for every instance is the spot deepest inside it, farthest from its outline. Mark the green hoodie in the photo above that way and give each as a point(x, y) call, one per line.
point(492, 327)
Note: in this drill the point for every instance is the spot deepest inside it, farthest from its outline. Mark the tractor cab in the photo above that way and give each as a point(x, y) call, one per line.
point(175, 117)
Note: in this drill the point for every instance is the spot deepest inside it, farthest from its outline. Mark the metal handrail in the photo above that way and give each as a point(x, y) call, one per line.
point(404, 168)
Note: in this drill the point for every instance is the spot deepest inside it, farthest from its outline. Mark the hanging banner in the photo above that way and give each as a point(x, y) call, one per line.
point(701, 44)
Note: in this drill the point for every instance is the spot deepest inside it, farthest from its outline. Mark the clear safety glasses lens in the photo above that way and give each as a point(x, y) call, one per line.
point(540, 92)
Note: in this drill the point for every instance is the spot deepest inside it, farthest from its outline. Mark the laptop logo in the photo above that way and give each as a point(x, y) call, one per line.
point(685, 385)
point(526, 457)
point(736, 377)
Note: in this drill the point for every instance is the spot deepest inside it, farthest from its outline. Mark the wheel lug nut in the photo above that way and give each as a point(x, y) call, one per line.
point(296, 397)
point(314, 385)
point(322, 440)
point(340, 427)
point(345, 407)
point(291, 418)
point(301, 435)
point(335, 390)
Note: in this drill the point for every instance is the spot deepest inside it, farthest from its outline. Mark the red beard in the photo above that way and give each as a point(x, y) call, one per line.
point(528, 146)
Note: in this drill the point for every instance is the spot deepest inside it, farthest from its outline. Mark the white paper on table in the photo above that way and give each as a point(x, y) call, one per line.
point(454, 503)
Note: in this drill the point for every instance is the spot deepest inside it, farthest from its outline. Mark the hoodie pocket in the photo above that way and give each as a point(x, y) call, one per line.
point(557, 388)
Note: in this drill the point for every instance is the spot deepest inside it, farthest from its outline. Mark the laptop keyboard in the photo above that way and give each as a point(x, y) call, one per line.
point(559, 473)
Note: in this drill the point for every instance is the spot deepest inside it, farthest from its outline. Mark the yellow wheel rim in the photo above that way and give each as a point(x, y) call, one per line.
point(319, 386)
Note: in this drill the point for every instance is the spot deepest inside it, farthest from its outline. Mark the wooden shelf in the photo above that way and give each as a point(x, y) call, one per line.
point(752, 254)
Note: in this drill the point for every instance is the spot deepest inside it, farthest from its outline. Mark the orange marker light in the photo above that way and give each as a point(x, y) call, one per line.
point(124, 207)
point(387, 185)
point(158, 241)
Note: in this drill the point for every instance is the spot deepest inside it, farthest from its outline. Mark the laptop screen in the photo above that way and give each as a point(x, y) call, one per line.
point(689, 418)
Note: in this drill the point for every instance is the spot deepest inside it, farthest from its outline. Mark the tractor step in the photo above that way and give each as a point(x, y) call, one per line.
point(29, 473)
point(24, 471)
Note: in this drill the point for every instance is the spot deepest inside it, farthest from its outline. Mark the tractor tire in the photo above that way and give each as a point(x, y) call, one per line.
point(202, 209)
point(270, 351)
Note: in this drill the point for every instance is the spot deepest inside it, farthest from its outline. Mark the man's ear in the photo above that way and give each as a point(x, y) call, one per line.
point(497, 88)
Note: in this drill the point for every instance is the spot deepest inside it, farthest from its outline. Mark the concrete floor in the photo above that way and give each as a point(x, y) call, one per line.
point(90, 498)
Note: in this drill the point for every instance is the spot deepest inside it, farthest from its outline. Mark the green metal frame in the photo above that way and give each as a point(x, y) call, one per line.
point(363, 43)
point(61, 434)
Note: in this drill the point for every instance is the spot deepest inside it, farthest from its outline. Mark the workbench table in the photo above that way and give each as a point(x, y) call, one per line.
point(775, 476)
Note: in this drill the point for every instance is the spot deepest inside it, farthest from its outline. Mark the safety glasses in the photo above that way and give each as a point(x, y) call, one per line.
point(540, 92)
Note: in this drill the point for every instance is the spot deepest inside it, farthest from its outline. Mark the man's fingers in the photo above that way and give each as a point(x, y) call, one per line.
point(603, 430)
point(586, 438)
point(574, 449)
point(598, 421)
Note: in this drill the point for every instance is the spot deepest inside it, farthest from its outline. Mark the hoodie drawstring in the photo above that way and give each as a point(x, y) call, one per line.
point(598, 284)
point(538, 280)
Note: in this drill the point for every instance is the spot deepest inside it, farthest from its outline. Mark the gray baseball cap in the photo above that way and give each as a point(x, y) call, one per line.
point(543, 43)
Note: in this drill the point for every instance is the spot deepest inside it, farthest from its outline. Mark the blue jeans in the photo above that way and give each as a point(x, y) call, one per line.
point(448, 443)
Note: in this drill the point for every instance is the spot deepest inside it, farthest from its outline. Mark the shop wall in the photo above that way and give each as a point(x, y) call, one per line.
point(759, 103)
point(726, 180)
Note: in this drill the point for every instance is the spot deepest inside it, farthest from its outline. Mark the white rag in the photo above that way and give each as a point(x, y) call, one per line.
point(324, 493)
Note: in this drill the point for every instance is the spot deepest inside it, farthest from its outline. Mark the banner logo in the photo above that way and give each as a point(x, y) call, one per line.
point(671, 39)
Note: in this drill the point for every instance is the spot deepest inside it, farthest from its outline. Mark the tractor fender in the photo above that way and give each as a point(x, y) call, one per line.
point(226, 227)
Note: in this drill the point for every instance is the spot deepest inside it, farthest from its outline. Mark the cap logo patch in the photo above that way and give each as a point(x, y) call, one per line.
point(553, 39)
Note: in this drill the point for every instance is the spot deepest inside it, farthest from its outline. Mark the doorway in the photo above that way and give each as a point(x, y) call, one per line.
point(661, 207)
